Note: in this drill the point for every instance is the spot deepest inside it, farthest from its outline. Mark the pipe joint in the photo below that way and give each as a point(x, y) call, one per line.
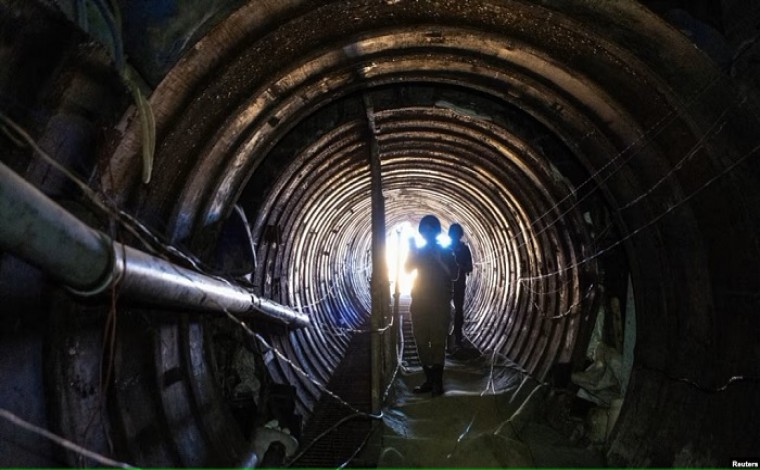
point(110, 276)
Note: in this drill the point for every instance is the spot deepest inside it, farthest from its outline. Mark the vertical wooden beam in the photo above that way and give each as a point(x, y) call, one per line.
point(380, 288)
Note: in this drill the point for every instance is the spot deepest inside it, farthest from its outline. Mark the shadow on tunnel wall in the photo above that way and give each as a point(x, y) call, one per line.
point(598, 155)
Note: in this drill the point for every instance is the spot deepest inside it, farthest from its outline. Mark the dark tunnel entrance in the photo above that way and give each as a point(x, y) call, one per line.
point(603, 165)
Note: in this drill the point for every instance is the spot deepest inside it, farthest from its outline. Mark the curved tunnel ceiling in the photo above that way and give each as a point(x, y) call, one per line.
point(434, 160)
point(437, 153)
point(513, 118)
point(574, 141)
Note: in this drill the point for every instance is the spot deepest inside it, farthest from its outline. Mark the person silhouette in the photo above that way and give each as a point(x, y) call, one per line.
point(431, 302)
point(463, 258)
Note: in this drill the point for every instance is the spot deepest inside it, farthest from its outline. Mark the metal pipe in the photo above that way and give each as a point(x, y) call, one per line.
point(41, 232)
point(36, 229)
point(157, 281)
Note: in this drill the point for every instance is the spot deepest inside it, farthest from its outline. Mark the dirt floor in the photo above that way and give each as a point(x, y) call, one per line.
point(491, 415)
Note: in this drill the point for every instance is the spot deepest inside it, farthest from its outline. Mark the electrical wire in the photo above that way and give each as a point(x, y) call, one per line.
point(60, 441)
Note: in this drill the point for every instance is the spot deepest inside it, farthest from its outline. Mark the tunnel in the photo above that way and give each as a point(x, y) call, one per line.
point(602, 156)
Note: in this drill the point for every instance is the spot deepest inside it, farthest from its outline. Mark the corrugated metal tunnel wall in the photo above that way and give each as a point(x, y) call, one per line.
point(579, 143)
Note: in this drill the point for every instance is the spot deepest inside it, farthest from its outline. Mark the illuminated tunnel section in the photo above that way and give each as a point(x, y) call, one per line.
point(435, 159)
point(578, 143)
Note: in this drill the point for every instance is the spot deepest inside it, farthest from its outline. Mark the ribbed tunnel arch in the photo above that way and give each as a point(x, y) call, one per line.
point(578, 143)
point(434, 160)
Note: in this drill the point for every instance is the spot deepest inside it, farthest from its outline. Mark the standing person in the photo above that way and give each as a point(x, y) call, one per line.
point(431, 296)
point(463, 258)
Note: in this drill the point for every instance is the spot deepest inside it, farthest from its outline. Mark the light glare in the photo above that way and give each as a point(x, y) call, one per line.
point(396, 250)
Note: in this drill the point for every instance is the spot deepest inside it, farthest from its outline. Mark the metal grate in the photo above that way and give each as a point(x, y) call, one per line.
point(351, 382)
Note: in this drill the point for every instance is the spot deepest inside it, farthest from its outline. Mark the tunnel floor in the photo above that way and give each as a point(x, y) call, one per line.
point(492, 414)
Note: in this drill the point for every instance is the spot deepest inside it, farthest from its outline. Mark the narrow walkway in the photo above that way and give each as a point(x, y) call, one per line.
point(331, 442)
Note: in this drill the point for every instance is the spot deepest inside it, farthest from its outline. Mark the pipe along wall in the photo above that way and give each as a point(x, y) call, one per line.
point(580, 144)
point(89, 263)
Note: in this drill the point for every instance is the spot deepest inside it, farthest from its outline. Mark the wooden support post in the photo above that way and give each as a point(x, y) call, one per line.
point(380, 291)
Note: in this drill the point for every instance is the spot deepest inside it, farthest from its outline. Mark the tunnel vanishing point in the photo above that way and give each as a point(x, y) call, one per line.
point(603, 156)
